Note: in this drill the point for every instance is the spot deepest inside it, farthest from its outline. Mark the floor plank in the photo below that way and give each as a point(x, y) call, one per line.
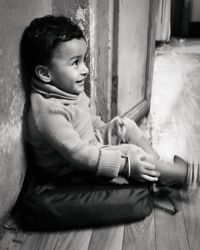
point(191, 208)
point(175, 120)
point(107, 238)
point(40, 241)
point(170, 228)
point(140, 235)
point(10, 241)
point(191, 199)
point(175, 103)
point(74, 240)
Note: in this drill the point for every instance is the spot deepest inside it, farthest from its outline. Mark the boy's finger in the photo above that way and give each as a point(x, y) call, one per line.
point(149, 178)
point(150, 158)
point(147, 158)
point(148, 166)
point(151, 173)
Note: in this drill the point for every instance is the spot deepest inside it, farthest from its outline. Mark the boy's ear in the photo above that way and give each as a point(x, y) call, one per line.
point(43, 73)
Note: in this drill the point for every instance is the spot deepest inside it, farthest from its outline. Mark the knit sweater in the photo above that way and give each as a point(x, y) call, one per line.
point(61, 133)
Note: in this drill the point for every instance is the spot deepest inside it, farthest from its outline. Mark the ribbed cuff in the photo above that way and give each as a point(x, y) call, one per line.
point(109, 163)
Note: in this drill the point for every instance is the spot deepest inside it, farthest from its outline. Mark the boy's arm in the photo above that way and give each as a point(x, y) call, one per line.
point(59, 132)
point(147, 147)
point(96, 120)
point(136, 136)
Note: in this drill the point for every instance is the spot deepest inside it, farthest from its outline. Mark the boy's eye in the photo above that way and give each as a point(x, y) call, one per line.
point(76, 62)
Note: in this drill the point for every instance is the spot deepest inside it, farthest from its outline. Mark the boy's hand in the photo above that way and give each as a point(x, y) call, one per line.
point(143, 167)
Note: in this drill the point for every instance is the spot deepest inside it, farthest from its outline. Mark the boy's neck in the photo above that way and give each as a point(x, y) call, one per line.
point(50, 90)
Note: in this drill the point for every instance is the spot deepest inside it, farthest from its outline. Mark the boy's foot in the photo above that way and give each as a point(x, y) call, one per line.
point(193, 175)
point(178, 175)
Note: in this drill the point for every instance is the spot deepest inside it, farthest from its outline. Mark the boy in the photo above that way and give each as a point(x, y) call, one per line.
point(88, 173)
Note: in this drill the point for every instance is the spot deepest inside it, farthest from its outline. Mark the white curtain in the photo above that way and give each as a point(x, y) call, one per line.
point(163, 29)
point(195, 11)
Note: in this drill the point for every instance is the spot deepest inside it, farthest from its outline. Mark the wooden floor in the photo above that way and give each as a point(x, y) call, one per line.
point(174, 123)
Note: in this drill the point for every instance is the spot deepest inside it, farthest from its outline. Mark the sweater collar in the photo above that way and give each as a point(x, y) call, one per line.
point(50, 91)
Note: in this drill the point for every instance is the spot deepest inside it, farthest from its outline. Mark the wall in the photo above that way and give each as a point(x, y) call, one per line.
point(14, 16)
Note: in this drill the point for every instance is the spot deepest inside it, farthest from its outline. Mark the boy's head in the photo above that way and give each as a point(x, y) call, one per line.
point(54, 51)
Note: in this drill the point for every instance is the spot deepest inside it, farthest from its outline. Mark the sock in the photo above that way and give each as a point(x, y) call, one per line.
point(193, 177)
point(172, 174)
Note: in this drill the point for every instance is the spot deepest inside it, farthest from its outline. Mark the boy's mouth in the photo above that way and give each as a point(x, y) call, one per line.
point(81, 81)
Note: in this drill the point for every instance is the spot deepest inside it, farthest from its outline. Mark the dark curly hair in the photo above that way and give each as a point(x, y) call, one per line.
point(42, 36)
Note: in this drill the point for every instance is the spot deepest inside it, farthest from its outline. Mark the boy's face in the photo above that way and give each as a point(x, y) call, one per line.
point(67, 66)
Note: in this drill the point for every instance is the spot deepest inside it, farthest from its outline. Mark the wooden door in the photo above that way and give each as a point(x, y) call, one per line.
point(125, 51)
point(132, 53)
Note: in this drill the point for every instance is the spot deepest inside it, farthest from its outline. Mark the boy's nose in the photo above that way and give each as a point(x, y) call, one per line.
point(84, 70)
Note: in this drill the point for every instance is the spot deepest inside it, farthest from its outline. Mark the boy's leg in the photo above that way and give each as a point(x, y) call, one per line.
point(193, 172)
point(126, 130)
point(71, 207)
point(119, 130)
point(134, 135)
point(172, 174)
point(87, 204)
point(180, 174)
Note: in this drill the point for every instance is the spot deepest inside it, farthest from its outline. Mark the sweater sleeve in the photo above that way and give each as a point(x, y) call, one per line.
point(59, 132)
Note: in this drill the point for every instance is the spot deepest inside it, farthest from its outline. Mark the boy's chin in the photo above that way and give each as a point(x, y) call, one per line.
point(80, 90)
point(77, 92)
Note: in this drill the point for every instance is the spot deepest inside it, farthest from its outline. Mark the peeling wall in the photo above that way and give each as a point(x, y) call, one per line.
point(84, 13)
point(14, 17)
point(79, 12)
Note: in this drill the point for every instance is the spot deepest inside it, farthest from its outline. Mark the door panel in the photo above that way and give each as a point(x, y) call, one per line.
point(132, 53)
point(125, 40)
